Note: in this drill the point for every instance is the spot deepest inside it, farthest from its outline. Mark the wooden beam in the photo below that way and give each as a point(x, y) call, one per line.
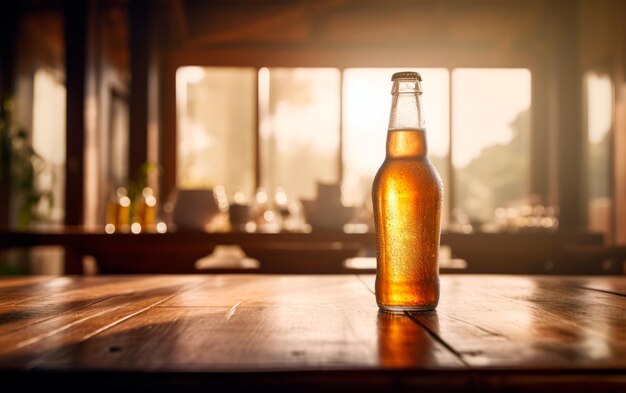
point(180, 23)
point(344, 56)
point(568, 110)
point(9, 18)
point(76, 30)
point(241, 30)
point(167, 147)
point(619, 141)
point(540, 139)
point(139, 16)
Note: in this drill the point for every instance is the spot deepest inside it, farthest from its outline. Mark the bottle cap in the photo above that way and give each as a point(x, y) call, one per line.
point(406, 75)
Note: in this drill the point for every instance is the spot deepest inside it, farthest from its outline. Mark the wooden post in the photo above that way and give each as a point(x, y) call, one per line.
point(540, 138)
point(139, 16)
point(567, 79)
point(9, 18)
point(76, 30)
point(619, 145)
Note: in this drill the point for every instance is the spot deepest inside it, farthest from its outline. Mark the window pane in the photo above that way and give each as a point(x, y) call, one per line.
point(490, 140)
point(366, 107)
point(299, 128)
point(216, 126)
point(599, 119)
point(49, 138)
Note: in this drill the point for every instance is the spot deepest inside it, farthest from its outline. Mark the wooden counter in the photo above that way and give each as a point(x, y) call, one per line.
point(541, 252)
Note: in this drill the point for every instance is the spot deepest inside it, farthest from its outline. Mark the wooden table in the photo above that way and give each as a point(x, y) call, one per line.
point(310, 333)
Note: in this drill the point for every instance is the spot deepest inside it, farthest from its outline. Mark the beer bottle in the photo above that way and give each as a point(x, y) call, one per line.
point(407, 195)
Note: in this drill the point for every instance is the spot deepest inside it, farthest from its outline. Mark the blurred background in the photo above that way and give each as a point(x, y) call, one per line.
point(264, 102)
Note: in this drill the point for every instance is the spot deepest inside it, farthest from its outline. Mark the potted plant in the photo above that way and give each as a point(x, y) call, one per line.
point(22, 164)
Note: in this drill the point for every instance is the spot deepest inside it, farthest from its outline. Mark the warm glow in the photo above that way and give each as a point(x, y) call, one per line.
point(109, 228)
point(191, 74)
point(299, 110)
point(485, 103)
point(161, 227)
point(366, 105)
point(124, 201)
point(48, 135)
point(151, 201)
point(268, 215)
point(599, 146)
point(215, 110)
point(135, 227)
point(261, 197)
point(280, 196)
point(240, 198)
point(599, 106)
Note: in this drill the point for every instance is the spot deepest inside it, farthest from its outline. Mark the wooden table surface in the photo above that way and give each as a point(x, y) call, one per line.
point(311, 333)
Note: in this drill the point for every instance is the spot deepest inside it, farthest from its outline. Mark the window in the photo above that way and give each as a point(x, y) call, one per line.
point(49, 139)
point(599, 98)
point(216, 123)
point(299, 128)
point(329, 125)
point(366, 105)
point(490, 140)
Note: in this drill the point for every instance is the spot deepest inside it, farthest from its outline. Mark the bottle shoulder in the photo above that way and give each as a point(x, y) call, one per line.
point(407, 163)
point(421, 169)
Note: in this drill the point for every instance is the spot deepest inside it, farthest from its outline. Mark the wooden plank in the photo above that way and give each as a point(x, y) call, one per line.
point(269, 290)
point(261, 323)
point(489, 333)
point(32, 332)
point(527, 322)
point(16, 282)
point(49, 290)
point(614, 285)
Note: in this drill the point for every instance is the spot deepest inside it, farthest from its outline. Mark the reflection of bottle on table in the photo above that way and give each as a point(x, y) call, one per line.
point(401, 341)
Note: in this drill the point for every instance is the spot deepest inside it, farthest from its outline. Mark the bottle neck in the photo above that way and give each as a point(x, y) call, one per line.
point(406, 144)
point(406, 136)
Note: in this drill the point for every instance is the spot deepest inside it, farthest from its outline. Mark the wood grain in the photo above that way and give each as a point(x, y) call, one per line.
point(615, 285)
point(489, 333)
point(538, 323)
point(48, 319)
point(261, 323)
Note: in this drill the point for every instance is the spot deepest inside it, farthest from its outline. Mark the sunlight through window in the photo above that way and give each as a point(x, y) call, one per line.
point(297, 114)
point(216, 126)
point(366, 102)
point(599, 97)
point(299, 128)
point(49, 137)
point(491, 140)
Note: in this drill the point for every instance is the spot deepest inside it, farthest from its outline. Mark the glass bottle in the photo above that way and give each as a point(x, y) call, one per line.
point(407, 195)
point(146, 209)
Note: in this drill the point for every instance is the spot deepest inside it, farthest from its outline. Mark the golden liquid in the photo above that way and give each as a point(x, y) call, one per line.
point(407, 195)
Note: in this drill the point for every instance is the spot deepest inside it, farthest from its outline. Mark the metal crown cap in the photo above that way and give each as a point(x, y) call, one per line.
point(406, 75)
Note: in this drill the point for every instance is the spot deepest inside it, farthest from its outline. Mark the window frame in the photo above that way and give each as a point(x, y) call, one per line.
point(353, 57)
